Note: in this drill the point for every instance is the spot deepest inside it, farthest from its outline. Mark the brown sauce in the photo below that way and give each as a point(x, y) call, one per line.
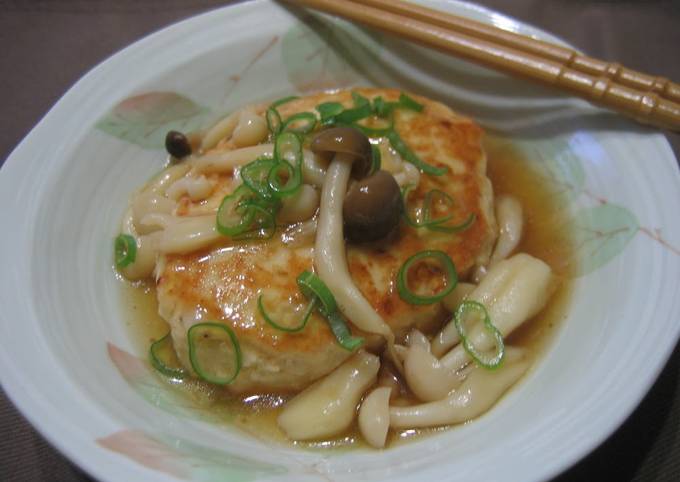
point(256, 414)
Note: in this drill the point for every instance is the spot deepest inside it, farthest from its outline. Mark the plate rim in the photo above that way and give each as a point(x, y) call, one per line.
point(19, 395)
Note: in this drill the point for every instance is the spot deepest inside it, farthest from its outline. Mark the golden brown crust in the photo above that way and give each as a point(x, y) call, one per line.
point(223, 283)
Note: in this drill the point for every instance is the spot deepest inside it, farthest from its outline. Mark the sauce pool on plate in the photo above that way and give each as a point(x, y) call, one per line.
point(545, 236)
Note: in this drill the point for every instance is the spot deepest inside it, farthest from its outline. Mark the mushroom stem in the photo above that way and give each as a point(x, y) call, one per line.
point(329, 253)
point(476, 395)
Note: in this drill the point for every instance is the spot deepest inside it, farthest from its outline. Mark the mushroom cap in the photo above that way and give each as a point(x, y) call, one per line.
point(372, 208)
point(177, 144)
point(346, 140)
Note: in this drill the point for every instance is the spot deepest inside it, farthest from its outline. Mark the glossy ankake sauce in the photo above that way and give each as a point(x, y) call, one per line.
point(545, 236)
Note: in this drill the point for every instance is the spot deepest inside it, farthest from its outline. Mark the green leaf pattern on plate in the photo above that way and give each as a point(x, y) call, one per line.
point(600, 234)
point(559, 166)
point(144, 381)
point(174, 455)
point(186, 460)
point(145, 119)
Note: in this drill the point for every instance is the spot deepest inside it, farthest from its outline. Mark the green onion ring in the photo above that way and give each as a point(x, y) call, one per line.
point(287, 147)
point(407, 102)
point(350, 116)
point(427, 208)
point(342, 333)
point(433, 224)
point(288, 155)
point(312, 286)
point(359, 100)
point(305, 318)
point(254, 175)
point(426, 222)
point(283, 100)
point(204, 331)
point(408, 155)
point(373, 131)
point(273, 120)
point(383, 108)
point(402, 283)
point(308, 119)
point(293, 183)
point(262, 227)
point(159, 353)
point(328, 110)
point(485, 362)
point(315, 289)
point(232, 219)
point(125, 248)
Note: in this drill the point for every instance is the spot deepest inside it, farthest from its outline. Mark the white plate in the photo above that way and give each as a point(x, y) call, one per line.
point(63, 190)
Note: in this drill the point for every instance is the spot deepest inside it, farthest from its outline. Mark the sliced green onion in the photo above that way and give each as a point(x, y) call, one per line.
point(312, 287)
point(242, 215)
point(315, 289)
point(214, 352)
point(383, 108)
point(232, 217)
point(407, 102)
point(376, 159)
point(359, 100)
point(300, 123)
point(449, 269)
point(342, 333)
point(328, 110)
point(350, 116)
point(427, 222)
point(384, 127)
point(408, 155)
point(250, 211)
point(288, 156)
point(288, 329)
point(437, 224)
point(488, 362)
point(262, 223)
point(293, 181)
point(125, 248)
point(283, 100)
point(255, 175)
point(273, 120)
point(164, 358)
point(287, 147)
point(429, 206)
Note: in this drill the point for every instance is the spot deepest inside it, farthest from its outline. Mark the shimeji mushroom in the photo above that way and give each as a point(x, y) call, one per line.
point(351, 153)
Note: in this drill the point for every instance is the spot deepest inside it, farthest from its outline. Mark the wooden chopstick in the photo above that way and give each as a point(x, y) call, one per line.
point(646, 107)
point(567, 57)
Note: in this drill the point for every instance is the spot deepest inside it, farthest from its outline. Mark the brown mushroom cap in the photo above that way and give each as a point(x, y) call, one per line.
point(177, 144)
point(346, 140)
point(372, 208)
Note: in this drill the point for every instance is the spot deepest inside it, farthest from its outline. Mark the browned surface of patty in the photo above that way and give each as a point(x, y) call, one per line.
point(223, 283)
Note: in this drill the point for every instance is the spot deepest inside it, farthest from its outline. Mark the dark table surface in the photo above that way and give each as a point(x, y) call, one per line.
point(48, 44)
